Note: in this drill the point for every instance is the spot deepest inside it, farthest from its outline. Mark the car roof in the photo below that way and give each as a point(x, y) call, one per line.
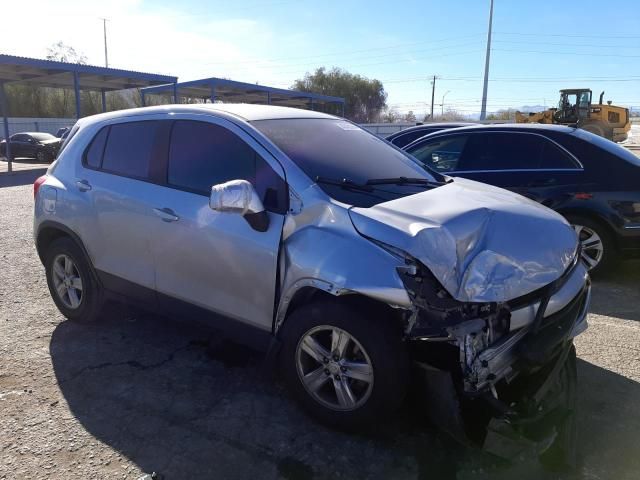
point(514, 127)
point(428, 126)
point(242, 111)
point(31, 133)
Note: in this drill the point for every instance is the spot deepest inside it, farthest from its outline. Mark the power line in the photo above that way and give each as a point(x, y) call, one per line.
point(567, 35)
point(242, 62)
point(568, 53)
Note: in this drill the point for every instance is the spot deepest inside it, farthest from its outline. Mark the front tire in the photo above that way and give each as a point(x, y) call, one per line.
point(598, 248)
point(42, 156)
point(72, 285)
point(347, 368)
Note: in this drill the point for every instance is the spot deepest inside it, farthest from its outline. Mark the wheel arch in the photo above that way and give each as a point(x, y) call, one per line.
point(50, 231)
point(316, 290)
point(594, 216)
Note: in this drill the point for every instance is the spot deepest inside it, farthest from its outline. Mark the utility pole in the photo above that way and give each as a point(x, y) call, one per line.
point(104, 29)
point(483, 112)
point(442, 104)
point(433, 94)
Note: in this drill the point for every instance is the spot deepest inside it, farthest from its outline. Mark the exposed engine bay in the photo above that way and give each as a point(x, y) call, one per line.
point(488, 359)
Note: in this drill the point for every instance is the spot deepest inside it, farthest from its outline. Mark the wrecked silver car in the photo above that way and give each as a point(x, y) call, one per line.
point(335, 250)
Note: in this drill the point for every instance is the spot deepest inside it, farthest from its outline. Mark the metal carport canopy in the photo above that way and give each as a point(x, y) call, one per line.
point(214, 88)
point(49, 73)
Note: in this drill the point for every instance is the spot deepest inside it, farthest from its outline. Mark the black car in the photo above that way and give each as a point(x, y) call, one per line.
point(593, 182)
point(41, 146)
point(408, 135)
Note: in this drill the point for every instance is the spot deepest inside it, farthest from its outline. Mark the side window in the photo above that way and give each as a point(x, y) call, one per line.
point(501, 151)
point(93, 155)
point(441, 154)
point(19, 138)
point(129, 148)
point(203, 154)
point(555, 157)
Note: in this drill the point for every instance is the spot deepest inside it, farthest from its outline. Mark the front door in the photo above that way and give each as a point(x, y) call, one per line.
point(214, 260)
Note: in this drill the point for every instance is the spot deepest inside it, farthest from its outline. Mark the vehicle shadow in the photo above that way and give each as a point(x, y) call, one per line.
point(179, 401)
point(617, 293)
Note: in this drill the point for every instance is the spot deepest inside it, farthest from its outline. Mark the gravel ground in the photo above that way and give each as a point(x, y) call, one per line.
point(130, 396)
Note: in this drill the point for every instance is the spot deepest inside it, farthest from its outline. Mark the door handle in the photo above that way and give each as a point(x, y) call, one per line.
point(166, 214)
point(83, 185)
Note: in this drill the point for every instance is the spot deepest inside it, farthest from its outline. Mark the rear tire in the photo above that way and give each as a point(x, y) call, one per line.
point(374, 342)
point(71, 282)
point(594, 237)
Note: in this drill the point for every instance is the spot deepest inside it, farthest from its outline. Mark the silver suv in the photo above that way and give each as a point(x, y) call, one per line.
point(312, 238)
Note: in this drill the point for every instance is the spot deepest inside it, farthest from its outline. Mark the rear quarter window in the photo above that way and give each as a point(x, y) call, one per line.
point(93, 155)
point(608, 146)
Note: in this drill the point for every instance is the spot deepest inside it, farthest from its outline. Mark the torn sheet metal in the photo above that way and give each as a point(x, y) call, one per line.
point(484, 244)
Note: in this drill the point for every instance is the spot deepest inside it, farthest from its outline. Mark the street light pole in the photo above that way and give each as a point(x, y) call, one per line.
point(433, 94)
point(442, 104)
point(483, 112)
point(104, 29)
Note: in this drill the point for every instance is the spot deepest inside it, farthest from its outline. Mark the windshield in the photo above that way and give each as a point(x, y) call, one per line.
point(331, 148)
point(43, 136)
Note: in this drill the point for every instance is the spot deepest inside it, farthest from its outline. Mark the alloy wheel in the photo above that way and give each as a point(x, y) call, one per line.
point(334, 368)
point(592, 245)
point(67, 281)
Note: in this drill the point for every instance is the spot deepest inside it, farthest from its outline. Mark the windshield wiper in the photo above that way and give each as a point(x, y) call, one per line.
point(344, 183)
point(405, 181)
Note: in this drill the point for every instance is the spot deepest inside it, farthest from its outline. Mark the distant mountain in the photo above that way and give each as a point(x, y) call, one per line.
point(531, 108)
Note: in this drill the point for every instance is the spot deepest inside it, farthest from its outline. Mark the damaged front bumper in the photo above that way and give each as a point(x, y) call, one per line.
point(491, 371)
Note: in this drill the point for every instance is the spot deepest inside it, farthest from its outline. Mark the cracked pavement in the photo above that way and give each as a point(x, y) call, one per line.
point(139, 394)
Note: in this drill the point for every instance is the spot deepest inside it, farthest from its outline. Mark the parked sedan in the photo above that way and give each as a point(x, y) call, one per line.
point(593, 182)
point(408, 135)
point(41, 146)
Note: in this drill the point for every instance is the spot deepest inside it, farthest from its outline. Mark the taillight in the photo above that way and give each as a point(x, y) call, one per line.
point(36, 185)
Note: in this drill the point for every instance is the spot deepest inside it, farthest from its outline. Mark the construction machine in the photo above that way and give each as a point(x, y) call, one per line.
point(575, 109)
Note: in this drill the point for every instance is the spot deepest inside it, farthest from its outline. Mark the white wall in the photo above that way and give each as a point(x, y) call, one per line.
point(33, 124)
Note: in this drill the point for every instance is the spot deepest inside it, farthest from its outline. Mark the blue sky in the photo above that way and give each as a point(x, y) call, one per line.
point(539, 46)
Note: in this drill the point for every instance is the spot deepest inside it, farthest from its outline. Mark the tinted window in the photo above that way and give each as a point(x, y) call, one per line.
point(129, 148)
point(555, 157)
point(608, 146)
point(93, 156)
point(441, 154)
point(202, 154)
point(20, 137)
point(336, 149)
point(501, 151)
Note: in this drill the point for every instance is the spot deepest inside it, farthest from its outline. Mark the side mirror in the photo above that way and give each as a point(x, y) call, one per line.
point(239, 196)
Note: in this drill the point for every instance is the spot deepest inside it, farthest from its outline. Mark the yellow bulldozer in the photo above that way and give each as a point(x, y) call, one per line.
point(575, 109)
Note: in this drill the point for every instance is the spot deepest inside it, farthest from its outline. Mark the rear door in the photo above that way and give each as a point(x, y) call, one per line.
point(116, 195)
point(215, 260)
point(19, 143)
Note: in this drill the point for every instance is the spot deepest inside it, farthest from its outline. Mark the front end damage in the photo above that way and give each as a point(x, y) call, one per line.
point(499, 375)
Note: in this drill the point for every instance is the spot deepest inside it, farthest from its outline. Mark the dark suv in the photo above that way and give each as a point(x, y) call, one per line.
point(593, 182)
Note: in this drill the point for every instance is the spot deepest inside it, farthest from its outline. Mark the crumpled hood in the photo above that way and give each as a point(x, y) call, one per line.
point(483, 243)
point(50, 141)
